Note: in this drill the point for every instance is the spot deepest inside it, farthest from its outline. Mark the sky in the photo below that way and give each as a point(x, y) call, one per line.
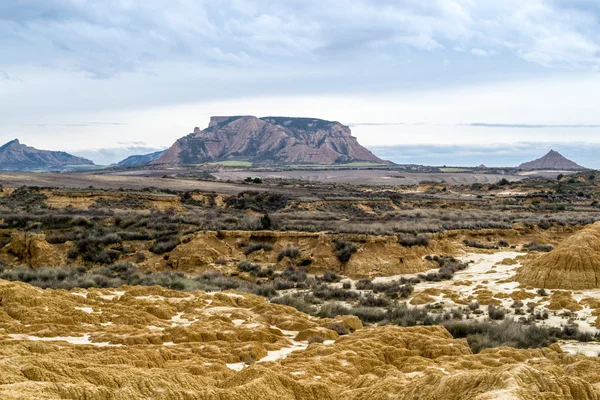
point(440, 82)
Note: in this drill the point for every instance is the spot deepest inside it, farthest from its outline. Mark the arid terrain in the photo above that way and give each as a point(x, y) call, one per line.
point(133, 286)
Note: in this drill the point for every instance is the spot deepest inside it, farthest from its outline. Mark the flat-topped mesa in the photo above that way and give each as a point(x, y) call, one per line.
point(217, 120)
point(282, 140)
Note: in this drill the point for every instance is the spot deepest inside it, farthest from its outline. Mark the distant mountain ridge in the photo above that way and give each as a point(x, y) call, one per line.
point(268, 139)
point(15, 156)
point(140, 159)
point(552, 160)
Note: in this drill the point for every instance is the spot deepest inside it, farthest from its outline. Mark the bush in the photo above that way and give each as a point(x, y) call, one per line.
point(325, 292)
point(315, 339)
point(344, 250)
point(245, 266)
point(483, 335)
point(332, 310)
point(479, 245)
point(372, 301)
point(369, 315)
point(299, 302)
point(252, 247)
point(290, 252)
point(410, 241)
point(496, 313)
point(294, 274)
point(538, 247)
point(162, 246)
point(364, 284)
point(329, 276)
point(338, 328)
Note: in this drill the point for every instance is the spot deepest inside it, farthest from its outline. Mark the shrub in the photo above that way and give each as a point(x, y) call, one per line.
point(364, 284)
point(297, 301)
point(410, 241)
point(246, 266)
point(162, 246)
point(289, 252)
point(315, 339)
point(332, 310)
point(338, 328)
point(483, 335)
point(294, 274)
point(252, 247)
point(265, 290)
point(280, 284)
point(329, 276)
point(344, 250)
point(325, 292)
point(369, 315)
point(372, 301)
point(479, 245)
point(496, 313)
point(538, 247)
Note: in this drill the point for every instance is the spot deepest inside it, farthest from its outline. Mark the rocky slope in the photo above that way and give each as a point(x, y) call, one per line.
point(552, 160)
point(139, 343)
point(574, 264)
point(15, 156)
point(270, 139)
point(140, 159)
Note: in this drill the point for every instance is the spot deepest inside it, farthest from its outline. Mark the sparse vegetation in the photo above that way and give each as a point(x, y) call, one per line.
point(344, 250)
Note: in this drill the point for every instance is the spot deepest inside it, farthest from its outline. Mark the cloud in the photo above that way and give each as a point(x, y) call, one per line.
point(106, 39)
point(354, 124)
point(530, 126)
point(83, 124)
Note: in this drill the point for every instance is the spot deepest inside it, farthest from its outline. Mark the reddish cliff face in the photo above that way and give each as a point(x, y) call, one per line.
point(270, 139)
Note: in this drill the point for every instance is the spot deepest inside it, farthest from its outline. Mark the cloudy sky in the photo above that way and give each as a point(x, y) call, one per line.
point(439, 81)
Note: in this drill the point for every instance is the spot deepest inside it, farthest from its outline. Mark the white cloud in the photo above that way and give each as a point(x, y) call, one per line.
point(158, 65)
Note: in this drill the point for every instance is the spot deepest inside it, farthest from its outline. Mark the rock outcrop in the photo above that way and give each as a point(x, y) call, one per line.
point(270, 139)
point(574, 264)
point(32, 250)
point(153, 343)
point(15, 156)
point(552, 160)
point(375, 255)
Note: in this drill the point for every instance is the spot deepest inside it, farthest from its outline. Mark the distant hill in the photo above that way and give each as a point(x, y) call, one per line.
point(140, 159)
point(15, 156)
point(552, 160)
point(271, 139)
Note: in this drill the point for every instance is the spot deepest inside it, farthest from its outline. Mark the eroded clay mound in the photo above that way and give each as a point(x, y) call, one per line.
point(32, 250)
point(375, 255)
point(153, 343)
point(574, 264)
